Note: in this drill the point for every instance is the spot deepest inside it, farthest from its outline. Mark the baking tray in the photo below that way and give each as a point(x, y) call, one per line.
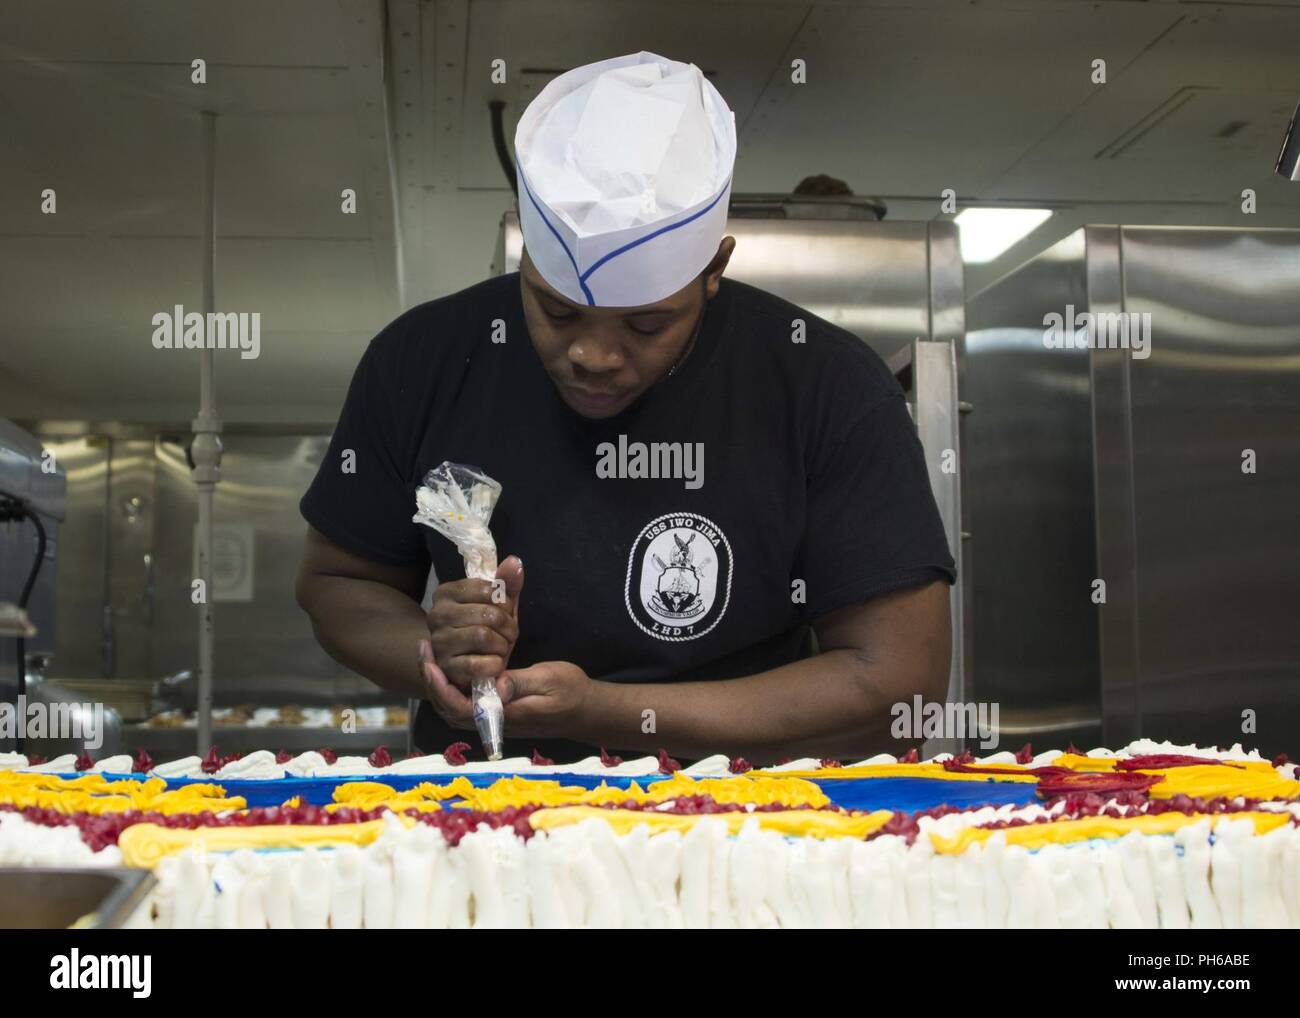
point(57, 899)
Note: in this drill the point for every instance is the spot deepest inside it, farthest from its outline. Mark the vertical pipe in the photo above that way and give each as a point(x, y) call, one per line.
point(108, 622)
point(206, 449)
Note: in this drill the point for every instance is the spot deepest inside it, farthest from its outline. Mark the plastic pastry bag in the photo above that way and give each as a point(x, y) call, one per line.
point(457, 501)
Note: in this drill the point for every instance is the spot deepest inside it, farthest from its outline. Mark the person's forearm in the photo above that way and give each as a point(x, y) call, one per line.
point(831, 705)
point(371, 628)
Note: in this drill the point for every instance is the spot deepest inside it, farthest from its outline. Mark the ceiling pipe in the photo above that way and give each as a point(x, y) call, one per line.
point(206, 448)
point(1288, 160)
point(498, 109)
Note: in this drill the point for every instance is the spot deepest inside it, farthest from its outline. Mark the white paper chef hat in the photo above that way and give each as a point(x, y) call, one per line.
point(624, 173)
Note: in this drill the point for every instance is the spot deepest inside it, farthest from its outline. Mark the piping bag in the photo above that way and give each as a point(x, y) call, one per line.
point(457, 501)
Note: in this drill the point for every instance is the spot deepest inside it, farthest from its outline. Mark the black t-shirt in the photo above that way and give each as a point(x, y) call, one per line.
point(810, 494)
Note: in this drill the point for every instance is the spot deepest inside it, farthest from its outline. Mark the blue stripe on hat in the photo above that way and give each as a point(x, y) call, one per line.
point(651, 236)
point(584, 276)
point(591, 301)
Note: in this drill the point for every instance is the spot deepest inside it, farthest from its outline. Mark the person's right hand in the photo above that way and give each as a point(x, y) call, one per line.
point(471, 634)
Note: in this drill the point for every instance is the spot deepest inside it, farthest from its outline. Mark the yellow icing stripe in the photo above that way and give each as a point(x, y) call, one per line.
point(760, 791)
point(1006, 772)
point(88, 782)
point(143, 845)
point(742, 789)
point(1064, 832)
point(795, 822)
point(424, 797)
point(92, 793)
point(518, 791)
point(1099, 763)
point(1079, 762)
point(1208, 781)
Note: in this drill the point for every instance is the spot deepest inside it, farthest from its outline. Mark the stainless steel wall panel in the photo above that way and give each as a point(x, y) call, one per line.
point(79, 647)
point(130, 514)
point(947, 281)
point(1199, 558)
point(1217, 548)
point(938, 420)
point(1113, 472)
point(1028, 494)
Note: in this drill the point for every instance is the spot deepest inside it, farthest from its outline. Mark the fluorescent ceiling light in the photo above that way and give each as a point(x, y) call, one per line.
point(986, 233)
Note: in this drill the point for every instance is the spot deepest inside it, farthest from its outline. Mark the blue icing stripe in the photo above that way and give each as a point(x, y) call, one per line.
point(907, 795)
point(900, 794)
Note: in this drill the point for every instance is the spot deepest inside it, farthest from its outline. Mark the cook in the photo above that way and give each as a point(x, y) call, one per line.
point(636, 609)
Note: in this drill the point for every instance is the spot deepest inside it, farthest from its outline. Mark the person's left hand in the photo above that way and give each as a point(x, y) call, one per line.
point(548, 699)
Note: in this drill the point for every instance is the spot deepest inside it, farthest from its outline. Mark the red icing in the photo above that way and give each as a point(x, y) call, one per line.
point(329, 755)
point(100, 831)
point(283, 756)
point(35, 760)
point(455, 753)
point(1026, 754)
point(142, 763)
point(694, 804)
point(541, 761)
point(1281, 760)
point(214, 761)
point(903, 825)
point(1087, 804)
point(1155, 761)
point(609, 761)
point(667, 764)
point(739, 765)
point(954, 764)
point(84, 762)
point(1074, 750)
point(829, 764)
point(1075, 781)
point(911, 756)
point(380, 757)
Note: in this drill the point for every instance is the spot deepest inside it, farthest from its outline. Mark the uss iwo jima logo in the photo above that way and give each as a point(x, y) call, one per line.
point(679, 577)
point(678, 591)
